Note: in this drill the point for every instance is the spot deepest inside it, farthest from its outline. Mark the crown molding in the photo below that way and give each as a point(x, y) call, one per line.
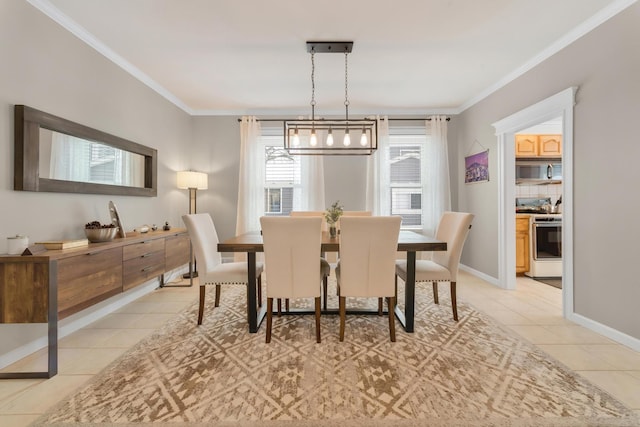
point(46, 7)
point(573, 35)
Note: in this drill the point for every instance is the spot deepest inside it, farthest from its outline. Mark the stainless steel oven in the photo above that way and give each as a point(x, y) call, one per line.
point(545, 259)
point(546, 237)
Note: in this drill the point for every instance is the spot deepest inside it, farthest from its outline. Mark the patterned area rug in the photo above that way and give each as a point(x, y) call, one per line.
point(470, 373)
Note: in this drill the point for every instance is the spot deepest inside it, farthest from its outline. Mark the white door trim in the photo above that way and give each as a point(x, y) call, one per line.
point(558, 105)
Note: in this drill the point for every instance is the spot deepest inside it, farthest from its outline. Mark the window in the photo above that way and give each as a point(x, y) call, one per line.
point(282, 176)
point(406, 149)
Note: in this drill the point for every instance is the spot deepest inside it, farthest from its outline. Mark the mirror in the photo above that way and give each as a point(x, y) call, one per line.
point(57, 155)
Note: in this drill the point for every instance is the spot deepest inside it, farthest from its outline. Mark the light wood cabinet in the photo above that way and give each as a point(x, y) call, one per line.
point(522, 244)
point(550, 145)
point(538, 145)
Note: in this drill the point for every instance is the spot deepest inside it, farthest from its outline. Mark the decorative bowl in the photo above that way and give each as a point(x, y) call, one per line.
point(97, 235)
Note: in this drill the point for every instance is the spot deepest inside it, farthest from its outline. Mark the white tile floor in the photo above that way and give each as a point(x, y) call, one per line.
point(533, 311)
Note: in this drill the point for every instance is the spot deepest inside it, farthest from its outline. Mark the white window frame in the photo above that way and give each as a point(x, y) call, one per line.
point(396, 134)
point(274, 138)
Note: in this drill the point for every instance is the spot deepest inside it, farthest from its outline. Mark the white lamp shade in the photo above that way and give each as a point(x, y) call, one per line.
point(192, 179)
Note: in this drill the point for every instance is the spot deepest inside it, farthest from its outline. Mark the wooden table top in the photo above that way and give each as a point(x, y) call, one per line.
point(407, 241)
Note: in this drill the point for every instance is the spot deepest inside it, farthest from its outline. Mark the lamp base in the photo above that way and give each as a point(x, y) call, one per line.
point(193, 274)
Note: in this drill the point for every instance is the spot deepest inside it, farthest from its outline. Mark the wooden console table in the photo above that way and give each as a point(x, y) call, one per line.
point(55, 284)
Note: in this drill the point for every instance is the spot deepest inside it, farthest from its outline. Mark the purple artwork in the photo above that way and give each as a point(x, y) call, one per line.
point(476, 167)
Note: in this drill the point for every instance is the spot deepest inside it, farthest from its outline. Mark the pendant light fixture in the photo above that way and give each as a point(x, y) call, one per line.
point(319, 136)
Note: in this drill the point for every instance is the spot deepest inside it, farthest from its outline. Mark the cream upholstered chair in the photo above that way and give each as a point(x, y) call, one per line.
point(291, 252)
point(366, 268)
point(204, 240)
point(453, 228)
point(325, 267)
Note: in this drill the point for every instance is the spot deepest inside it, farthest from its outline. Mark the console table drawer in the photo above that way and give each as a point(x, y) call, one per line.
point(143, 268)
point(144, 248)
point(86, 279)
point(177, 250)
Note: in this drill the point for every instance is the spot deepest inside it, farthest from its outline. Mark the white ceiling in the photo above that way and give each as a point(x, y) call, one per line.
point(249, 56)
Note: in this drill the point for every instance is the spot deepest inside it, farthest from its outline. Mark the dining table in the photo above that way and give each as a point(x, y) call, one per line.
point(410, 242)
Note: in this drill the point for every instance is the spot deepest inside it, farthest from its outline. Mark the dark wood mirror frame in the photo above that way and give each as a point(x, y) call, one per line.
point(28, 122)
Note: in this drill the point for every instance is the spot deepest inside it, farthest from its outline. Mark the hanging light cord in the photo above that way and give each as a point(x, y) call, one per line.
point(313, 84)
point(346, 86)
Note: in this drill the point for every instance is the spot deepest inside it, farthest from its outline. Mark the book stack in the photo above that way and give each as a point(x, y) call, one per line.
point(63, 244)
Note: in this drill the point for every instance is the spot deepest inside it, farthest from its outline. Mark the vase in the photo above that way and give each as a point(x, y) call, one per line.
point(332, 231)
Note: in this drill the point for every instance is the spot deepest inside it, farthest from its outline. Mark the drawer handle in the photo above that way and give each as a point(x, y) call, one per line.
point(148, 254)
point(144, 270)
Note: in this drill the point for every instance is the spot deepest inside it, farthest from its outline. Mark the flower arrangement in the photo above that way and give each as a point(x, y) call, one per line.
point(333, 214)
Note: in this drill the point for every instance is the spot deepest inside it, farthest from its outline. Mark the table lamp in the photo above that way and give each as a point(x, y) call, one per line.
point(193, 181)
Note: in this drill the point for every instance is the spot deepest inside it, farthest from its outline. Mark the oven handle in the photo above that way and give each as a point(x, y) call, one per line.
point(547, 224)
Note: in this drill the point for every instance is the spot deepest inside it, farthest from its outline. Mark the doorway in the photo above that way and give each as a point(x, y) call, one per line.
point(559, 105)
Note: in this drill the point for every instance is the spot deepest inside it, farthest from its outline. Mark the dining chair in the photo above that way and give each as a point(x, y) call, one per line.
point(325, 267)
point(453, 228)
point(366, 267)
point(291, 252)
point(213, 271)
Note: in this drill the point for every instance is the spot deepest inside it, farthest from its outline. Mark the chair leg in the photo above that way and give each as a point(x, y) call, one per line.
point(435, 292)
point(279, 307)
point(454, 302)
point(343, 313)
point(286, 304)
point(392, 326)
point(317, 319)
point(395, 293)
point(201, 305)
point(218, 290)
point(259, 291)
point(269, 319)
point(379, 306)
point(325, 284)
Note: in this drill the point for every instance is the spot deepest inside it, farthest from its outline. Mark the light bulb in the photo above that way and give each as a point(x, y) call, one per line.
point(363, 138)
point(296, 138)
point(330, 138)
point(347, 138)
point(313, 141)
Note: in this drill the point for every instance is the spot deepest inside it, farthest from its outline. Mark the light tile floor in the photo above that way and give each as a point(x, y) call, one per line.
point(533, 310)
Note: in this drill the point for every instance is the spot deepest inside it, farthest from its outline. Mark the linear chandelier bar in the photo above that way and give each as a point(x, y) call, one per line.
point(331, 137)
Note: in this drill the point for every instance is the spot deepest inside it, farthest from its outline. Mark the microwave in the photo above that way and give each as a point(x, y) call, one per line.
point(538, 172)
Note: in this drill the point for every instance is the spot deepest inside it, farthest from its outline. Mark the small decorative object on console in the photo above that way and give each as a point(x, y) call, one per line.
point(97, 232)
point(166, 227)
point(154, 227)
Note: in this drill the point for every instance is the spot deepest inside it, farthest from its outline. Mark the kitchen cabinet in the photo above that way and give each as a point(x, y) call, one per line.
point(538, 145)
point(550, 145)
point(522, 244)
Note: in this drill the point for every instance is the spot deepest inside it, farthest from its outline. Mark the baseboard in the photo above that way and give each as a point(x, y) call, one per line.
point(606, 331)
point(87, 316)
point(479, 274)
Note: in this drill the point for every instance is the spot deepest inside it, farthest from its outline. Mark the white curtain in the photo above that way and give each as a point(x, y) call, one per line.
point(378, 174)
point(436, 191)
point(312, 177)
point(251, 177)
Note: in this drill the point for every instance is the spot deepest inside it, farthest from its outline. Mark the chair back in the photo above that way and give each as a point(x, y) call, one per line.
point(204, 240)
point(352, 213)
point(291, 254)
point(453, 228)
point(320, 214)
point(368, 246)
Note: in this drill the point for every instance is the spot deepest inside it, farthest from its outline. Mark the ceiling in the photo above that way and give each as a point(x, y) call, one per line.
point(249, 57)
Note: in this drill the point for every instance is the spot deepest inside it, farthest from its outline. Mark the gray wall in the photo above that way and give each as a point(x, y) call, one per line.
point(605, 65)
point(45, 67)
